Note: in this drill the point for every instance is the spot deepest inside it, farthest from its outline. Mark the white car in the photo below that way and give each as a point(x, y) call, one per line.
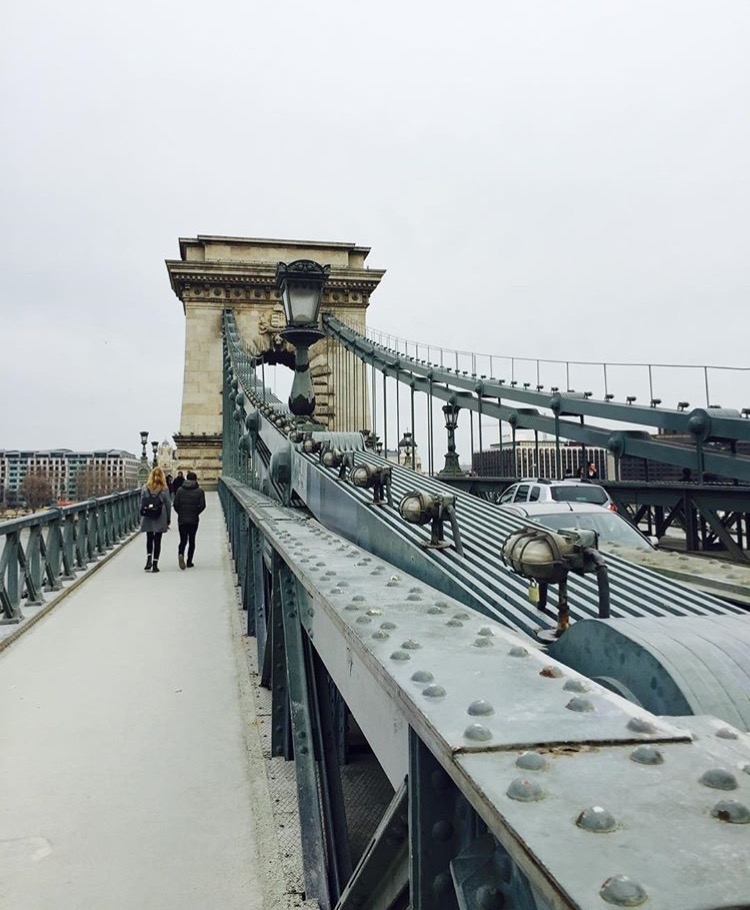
point(533, 489)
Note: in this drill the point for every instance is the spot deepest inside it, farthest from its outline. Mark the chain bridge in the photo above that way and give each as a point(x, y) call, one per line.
point(452, 743)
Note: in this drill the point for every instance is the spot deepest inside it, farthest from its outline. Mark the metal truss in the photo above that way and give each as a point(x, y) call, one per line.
point(506, 765)
point(714, 432)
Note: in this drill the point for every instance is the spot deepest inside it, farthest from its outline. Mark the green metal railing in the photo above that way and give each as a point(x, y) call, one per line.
point(41, 551)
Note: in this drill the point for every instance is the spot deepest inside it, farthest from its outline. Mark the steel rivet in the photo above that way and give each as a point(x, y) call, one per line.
point(727, 733)
point(484, 643)
point(442, 830)
point(461, 615)
point(435, 610)
point(532, 761)
point(454, 623)
point(525, 791)
point(719, 779)
point(352, 607)
point(485, 630)
point(488, 897)
point(392, 584)
point(575, 685)
point(551, 672)
point(415, 590)
point(411, 645)
point(374, 612)
point(518, 651)
point(394, 578)
point(380, 635)
point(387, 625)
point(729, 810)
point(580, 704)
point(641, 725)
point(480, 708)
point(647, 755)
point(478, 732)
point(358, 597)
point(400, 655)
point(433, 691)
point(413, 597)
point(422, 676)
point(342, 584)
point(623, 891)
point(442, 883)
point(596, 819)
point(363, 620)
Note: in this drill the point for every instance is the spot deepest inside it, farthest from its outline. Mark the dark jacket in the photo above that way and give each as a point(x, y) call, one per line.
point(160, 524)
point(177, 482)
point(189, 502)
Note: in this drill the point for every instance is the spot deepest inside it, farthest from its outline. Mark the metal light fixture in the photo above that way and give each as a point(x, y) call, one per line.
point(418, 507)
point(450, 412)
point(377, 479)
point(546, 557)
point(301, 285)
point(154, 449)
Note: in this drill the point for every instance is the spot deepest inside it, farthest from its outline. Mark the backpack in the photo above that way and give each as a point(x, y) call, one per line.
point(151, 508)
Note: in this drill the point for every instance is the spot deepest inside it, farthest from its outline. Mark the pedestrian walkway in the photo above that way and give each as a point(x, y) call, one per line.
point(132, 778)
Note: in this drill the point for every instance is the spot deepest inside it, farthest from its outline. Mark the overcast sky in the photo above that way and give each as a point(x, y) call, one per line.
point(548, 179)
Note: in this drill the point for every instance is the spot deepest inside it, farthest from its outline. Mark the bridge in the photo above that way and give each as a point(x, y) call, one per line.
point(452, 744)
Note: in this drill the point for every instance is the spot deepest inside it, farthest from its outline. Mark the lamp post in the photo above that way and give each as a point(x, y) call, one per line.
point(408, 447)
point(301, 285)
point(143, 469)
point(154, 448)
point(450, 412)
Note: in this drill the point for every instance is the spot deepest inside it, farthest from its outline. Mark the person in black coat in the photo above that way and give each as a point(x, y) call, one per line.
point(189, 502)
point(177, 482)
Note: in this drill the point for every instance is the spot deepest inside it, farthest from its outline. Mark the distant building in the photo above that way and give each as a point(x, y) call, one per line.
point(112, 469)
point(529, 458)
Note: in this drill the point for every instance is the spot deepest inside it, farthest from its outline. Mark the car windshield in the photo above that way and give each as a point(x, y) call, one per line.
point(579, 492)
point(610, 527)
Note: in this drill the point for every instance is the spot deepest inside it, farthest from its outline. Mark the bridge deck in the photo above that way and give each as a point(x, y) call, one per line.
point(126, 780)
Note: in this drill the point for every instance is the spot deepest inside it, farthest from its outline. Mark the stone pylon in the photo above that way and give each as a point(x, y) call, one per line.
point(216, 273)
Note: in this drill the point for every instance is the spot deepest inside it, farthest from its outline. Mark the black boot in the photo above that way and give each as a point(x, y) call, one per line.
point(148, 563)
point(155, 567)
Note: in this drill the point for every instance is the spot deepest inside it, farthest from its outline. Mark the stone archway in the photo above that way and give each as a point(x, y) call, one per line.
point(214, 273)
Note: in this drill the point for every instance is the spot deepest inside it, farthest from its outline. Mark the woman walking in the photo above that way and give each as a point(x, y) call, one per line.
point(156, 511)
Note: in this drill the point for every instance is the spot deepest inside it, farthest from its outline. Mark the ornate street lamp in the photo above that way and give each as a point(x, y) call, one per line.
point(408, 447)
point(450, 412)
point(154, 448)
point(143, 466)
point(301, 285)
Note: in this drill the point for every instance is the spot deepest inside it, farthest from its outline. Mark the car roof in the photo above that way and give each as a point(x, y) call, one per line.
point(551, 508)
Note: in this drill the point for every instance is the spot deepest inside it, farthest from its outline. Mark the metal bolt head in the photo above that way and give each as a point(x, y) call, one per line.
point(719, 779)
point(596, 819)
point(422, 676)
point(478, 733)
point(647, 755)
point(582, 705)
point(729, 810)
point(623, 891)
point(480, 708)
point(525, 791)
point(532, 761)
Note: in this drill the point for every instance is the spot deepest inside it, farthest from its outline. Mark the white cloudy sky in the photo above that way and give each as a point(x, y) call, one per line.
point(560, 179)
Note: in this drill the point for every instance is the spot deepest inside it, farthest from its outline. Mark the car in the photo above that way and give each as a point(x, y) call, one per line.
point(536, 489)
point(612, 529)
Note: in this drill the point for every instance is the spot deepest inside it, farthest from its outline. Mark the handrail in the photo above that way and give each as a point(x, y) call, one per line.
point(42, 550)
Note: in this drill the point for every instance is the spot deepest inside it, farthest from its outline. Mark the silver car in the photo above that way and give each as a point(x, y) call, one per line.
point(610, 527)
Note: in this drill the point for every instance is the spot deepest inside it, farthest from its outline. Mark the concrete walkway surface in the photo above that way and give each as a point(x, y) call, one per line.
point(126, 740)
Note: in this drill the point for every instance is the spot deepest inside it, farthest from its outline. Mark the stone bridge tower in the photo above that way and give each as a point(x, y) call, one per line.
point(214, 273)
